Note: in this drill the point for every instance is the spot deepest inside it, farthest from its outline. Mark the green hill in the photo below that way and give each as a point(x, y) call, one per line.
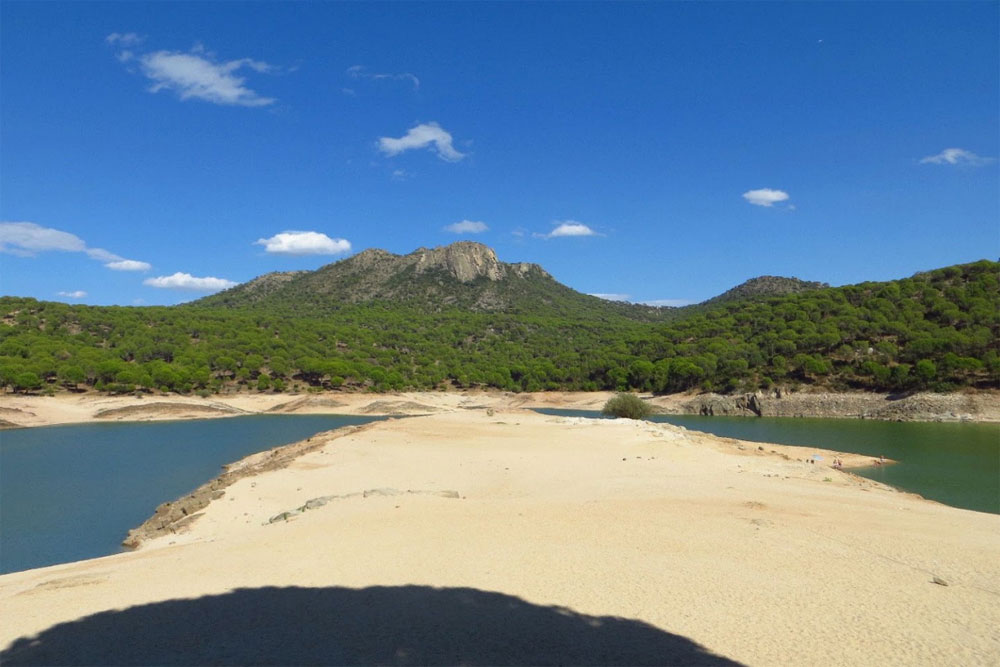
point(464, 275)
point(354, 326)
point(764, 287)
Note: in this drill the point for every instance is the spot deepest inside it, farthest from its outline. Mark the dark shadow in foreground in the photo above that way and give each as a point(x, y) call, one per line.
point(407, 625)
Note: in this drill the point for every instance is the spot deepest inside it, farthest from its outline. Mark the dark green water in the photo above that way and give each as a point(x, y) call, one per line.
point(73, 492)
point(953, 463)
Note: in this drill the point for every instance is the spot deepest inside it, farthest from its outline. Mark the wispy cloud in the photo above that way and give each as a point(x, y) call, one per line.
point(765, 197)
point(27, 239)
point(426, 135)
point(568, 228)
point(467, 227)
point(195, 74)
point(361, 72)
point(129, 265)
point(124, 39)
point(186, 281)
point(958, 156)
point(75, 294)
point(304, 243)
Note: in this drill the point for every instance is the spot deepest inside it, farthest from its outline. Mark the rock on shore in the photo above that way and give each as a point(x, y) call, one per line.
point(889, 407)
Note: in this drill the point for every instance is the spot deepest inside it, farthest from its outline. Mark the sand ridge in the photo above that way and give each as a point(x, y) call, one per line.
point(742, 553)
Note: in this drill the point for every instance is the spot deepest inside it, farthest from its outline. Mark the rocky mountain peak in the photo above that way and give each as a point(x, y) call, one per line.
point(464, 260)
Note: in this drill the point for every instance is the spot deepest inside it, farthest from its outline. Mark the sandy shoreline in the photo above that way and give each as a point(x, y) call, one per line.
point(505, 522)
point(28, 411)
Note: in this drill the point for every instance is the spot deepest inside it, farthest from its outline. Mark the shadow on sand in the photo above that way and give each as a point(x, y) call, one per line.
point(407, 625)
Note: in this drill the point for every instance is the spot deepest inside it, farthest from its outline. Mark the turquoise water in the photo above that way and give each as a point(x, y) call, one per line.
point(73, 492)
point(953, 463)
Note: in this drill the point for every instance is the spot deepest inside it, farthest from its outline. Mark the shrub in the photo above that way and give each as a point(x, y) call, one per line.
point(627, 405)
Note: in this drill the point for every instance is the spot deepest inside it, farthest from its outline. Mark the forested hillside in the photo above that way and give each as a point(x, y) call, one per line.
point(463, 275)
point(937, 330)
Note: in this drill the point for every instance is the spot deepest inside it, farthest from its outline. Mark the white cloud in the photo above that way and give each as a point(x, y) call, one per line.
point(26, 239)
point(568, 228)
point(187, 281)
point(673, 303)
point(76, 294)
point(422, 136)
point(361, 72)
point(195, 75)
point(102, 255)
point(765, 197)
point(124, 39)
point(958, 156)
point(128, 265)
point(467, 227)
point(304, 243)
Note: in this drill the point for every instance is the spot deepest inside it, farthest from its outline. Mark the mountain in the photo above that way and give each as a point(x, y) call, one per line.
point(764, 287)
point(463, 275)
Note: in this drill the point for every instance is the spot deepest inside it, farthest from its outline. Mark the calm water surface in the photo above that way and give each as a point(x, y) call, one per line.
point(953, 463)
point(73, 492)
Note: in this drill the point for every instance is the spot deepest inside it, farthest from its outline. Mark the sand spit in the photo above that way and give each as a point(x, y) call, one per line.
point(513, 537)
point(176, 516)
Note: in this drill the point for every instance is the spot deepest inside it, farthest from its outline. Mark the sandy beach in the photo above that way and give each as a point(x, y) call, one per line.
point(492, 535)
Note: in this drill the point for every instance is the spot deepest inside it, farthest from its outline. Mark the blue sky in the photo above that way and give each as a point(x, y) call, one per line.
point(154, 152)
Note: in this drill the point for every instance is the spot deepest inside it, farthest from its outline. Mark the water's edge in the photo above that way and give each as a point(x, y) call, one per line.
point(174, 515)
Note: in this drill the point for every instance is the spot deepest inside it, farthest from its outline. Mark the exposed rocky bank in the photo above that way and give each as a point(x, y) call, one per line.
point(977, 407)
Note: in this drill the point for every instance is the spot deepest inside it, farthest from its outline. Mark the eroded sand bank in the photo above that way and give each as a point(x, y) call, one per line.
point(26, 411)
point(466, 536)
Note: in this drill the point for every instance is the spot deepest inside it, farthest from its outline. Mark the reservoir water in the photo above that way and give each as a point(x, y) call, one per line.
point(73, 492)
point(956, 464)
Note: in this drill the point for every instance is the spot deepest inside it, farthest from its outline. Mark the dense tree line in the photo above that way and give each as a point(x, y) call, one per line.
point(937, 330)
